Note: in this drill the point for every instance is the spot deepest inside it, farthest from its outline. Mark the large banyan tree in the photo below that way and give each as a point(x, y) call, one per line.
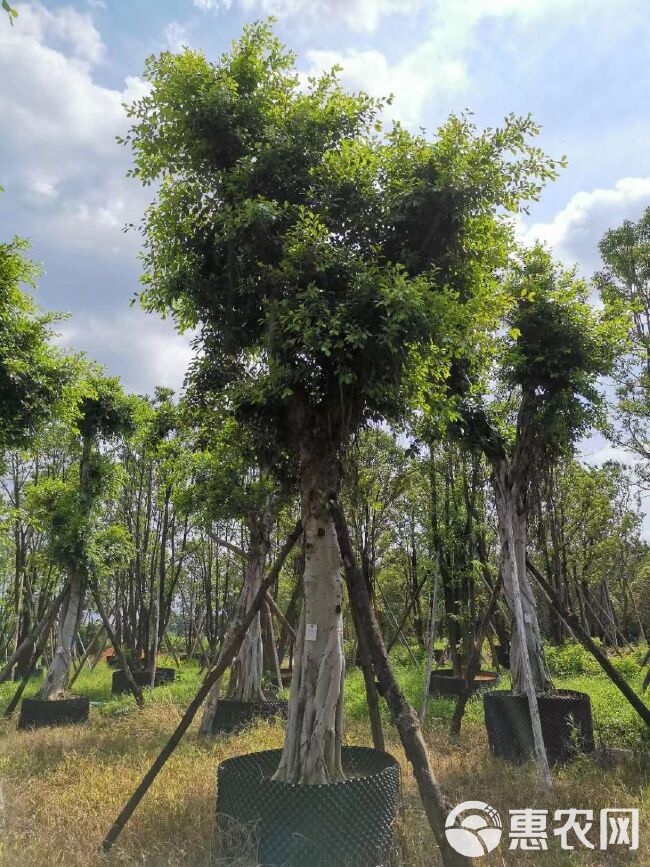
point(332, 266)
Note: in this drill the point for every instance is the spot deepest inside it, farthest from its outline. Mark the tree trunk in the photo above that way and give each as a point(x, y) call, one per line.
point(312, 746)
point(246, 670)
point(57, 675)
point(70, 616)
point(512, 515)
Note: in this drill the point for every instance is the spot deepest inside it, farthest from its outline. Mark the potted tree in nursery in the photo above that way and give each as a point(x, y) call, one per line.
point(317, 259)
point(70, 512)
point(229, 483)
point(550, 355)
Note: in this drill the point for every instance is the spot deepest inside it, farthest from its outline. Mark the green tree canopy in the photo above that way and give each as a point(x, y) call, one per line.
point(33, 374)
point(321, 254)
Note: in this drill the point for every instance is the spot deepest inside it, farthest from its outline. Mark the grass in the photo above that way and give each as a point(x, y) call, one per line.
point(63, 787)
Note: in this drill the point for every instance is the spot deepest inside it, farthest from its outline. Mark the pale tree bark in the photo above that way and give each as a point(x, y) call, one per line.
point(246, 670)
point(512, 533)
point(245, 682)
point(57, 675)
point(312, 747)
point(70, 616)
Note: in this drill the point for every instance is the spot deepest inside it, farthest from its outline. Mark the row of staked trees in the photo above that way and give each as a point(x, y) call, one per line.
point(371, 339)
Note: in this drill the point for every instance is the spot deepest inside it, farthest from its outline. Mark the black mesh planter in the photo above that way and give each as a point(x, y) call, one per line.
point(36, 712)
point(230, 716)
point(446, 683)
point(567, 725)
point(142, 678)
point(347, 824)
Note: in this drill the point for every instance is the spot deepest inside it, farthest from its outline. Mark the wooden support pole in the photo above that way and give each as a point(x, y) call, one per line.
point(573, 622)
point(403, 715)
point(92, 644)
point(28, 643)
point(133, 686)
point(13, 704)
point(407, 611)
point(231, 647)
point(274, 608)
point(474, 662)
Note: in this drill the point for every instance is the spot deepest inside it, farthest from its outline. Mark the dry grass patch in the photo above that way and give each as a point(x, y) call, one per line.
point(63, 788)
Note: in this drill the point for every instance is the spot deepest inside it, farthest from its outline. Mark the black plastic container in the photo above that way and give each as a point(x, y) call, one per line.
point(143, 678)
point(36, 712)
point(567, 725)
point(340, 824)
point(445, 683)
point(231, 716)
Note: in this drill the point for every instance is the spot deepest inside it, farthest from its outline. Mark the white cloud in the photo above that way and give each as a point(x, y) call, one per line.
point(575, 231)
point(143, 349)
point(59, 129)
point(413, 80)
point(358, 15)
point(175, 35)
point(212, 4)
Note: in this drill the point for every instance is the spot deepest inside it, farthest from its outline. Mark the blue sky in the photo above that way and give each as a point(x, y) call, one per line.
point(66, 67)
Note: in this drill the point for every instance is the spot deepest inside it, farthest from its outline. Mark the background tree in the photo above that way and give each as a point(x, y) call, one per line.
point(624, 286)
point(554, 351)
point(71, 512)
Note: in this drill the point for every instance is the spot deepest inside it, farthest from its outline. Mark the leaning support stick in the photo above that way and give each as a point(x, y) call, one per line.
point(40, 647)
point(403, 715)
point(33, 636)
point(133, 686)
point(231, 647)
point(573, 622)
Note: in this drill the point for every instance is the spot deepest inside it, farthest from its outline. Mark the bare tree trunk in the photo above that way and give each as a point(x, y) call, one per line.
point(312, 746)
point(474, 662)
point(246, 671)
point(57, 675)
point(526, 628)
point(42, 625)
point(230, 648)
point(512, 534)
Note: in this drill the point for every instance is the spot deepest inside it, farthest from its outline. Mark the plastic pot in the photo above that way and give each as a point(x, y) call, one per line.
point(143, 678)
point(445, 683)
point(567, 725)
point(340, 824)
point(36, 712)
point(230, 716)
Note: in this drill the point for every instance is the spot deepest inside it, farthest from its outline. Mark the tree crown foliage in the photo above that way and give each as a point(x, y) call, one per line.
point(33, 375)
point(326, 258)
